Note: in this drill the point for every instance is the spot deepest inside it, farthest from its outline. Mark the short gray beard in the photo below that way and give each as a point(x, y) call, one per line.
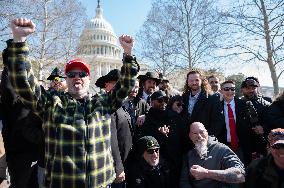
point(201, 149)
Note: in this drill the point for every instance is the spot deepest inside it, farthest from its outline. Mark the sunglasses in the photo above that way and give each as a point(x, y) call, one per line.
point(278, 146)
point(161, 100)
point(73, 74)
point(151, 151)
point(58, 79)
point(229, 88)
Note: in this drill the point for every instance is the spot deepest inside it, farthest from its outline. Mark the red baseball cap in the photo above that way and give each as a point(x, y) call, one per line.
point(77, 63)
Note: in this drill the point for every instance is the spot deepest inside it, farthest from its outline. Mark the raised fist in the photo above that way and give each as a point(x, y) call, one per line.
point(126, 42)
point(21, 28)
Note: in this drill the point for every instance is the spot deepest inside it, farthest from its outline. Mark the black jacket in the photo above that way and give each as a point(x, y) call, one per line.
point(22, 129)
point(276, 115)
point(263, 173)
point(261, 106)
point(142, 175)
point(243, 129)
point(172, 145)
point(207, 111)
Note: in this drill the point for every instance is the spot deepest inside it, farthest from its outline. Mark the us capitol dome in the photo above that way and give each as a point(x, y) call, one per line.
point(98, 45)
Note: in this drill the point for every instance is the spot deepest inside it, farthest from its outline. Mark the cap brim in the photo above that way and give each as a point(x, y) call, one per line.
point(51, 77)
point(154, 147)
point(100, 82)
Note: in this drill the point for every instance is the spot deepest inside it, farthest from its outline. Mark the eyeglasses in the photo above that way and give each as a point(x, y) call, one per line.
point(214, 82)
point(161, 100)
point(58, 79)
point(151, 151)
point(229, 88)
point(278, 146)
point(73, 74)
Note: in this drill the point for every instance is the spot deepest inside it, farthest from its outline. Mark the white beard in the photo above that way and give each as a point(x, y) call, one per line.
point(81, 93)
point(201, 149)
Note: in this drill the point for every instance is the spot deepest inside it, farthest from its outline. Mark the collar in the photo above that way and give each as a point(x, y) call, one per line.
point(145, 95)
point(195, 96)
point(232, 102)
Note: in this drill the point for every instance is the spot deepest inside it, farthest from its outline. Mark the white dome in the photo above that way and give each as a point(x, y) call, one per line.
point(98, 38)
point(99, 22)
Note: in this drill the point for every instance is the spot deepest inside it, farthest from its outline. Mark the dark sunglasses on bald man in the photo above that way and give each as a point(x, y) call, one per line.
point(151, 151)
point(73, 74)
point(229, 88)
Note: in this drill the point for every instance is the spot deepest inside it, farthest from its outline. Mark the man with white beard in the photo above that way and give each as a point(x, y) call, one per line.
point(211, 163)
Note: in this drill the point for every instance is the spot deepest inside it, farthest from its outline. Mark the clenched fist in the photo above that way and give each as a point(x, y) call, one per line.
point(126, 42)
point(21, 28)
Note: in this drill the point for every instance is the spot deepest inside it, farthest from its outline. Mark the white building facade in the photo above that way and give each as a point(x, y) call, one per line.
point(98, 45)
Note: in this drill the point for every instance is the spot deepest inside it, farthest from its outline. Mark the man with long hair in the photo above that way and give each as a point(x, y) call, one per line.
point(200, 103)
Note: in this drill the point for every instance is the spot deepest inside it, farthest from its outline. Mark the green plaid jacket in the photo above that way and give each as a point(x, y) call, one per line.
point(77, 135)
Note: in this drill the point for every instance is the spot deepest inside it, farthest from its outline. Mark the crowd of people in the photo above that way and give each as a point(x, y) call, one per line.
point(137, 132)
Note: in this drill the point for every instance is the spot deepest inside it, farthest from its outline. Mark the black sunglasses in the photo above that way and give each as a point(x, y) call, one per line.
point(161, 100)
point(58, 79)
point(229, 88)
point(278, 146)
point(151, 151)
point(73, 74)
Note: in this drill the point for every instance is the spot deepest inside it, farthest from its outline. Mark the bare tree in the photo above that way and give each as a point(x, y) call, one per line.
point(198, 30)
point(58, 26)
point(157, 38)
point(180, 33)
point(256, 34)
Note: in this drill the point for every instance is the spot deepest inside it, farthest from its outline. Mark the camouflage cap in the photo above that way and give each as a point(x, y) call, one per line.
point(147, 142)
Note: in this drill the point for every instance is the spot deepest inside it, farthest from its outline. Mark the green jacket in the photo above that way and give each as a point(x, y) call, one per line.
point(77, 135)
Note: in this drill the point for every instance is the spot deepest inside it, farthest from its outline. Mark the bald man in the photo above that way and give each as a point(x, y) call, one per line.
point(211, 163)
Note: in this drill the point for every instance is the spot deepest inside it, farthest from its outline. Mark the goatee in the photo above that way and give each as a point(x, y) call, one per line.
point(201, 149)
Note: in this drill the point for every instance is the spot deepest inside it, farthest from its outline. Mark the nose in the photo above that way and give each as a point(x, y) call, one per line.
point(199, 136)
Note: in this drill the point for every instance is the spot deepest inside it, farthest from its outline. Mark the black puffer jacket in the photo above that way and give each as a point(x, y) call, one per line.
point(276, 113)
point(142, 175)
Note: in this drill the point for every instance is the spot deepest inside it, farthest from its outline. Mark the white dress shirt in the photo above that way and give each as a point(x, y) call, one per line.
point(232, 104)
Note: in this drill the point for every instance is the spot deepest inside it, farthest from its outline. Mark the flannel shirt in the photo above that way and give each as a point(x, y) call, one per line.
point(77, 135)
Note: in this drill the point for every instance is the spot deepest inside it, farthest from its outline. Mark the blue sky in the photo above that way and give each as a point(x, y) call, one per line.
point(125, 16)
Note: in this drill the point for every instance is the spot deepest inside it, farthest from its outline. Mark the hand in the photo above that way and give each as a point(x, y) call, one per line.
point(165, 130)
point(140, 120)
point(21, 28)
point(258, 129)
point(120, 178)
point(126, 42)
point(198, 172)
